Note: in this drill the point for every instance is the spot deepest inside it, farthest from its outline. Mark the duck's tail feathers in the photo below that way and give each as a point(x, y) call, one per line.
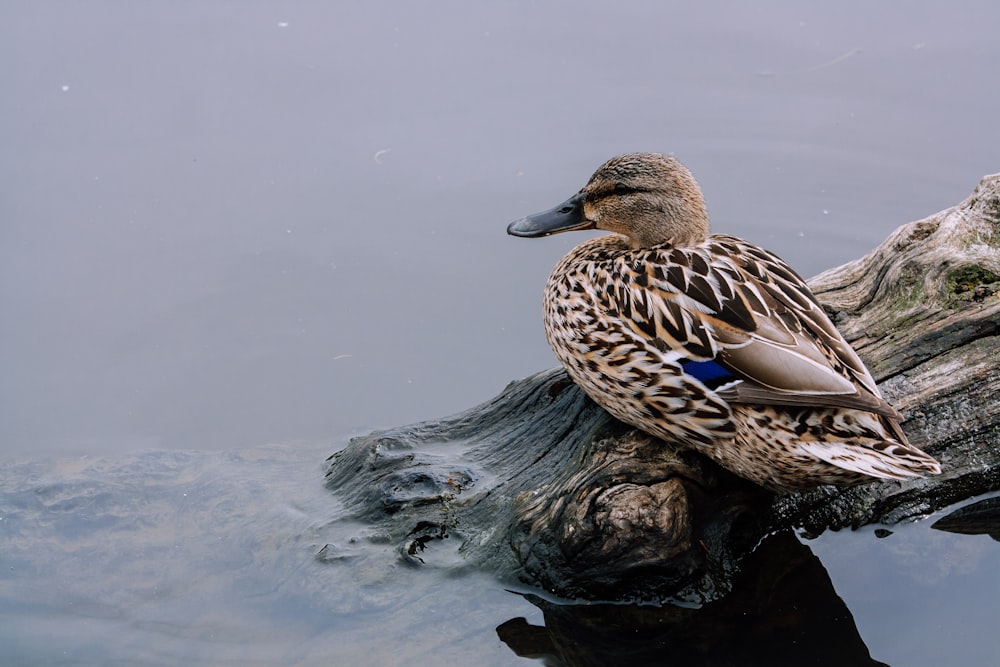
point(885, 459)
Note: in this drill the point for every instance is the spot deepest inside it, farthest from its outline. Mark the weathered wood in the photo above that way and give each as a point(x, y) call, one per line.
point(540, 484)
point(923, 311)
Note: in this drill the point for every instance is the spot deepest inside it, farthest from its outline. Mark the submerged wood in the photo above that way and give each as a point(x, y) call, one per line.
point(540, 484)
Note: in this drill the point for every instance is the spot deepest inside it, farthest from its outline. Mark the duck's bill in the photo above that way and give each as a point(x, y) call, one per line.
point(563, 218)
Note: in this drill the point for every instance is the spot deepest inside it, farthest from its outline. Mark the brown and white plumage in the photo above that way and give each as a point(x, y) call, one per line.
point(710, 341)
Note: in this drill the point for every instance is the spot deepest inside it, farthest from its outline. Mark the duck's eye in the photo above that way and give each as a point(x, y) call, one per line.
point(622, 189)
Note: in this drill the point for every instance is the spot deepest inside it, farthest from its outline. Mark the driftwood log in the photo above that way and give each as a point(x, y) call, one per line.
point(542, 486)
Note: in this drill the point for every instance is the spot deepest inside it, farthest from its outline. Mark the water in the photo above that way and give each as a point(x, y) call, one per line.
point(225, 227)
point(166, 558)
point(240, 557)
point(918, 596)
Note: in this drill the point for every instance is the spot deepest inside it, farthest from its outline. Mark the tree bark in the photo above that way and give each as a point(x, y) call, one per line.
point(540, 484)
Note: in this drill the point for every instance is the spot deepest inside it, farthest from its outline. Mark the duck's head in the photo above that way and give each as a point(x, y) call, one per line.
point(648, 197)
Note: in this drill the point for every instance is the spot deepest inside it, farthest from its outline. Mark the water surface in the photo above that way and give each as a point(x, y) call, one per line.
point(223, 228)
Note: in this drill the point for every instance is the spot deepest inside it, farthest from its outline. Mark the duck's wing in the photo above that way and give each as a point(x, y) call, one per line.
point(744, 309)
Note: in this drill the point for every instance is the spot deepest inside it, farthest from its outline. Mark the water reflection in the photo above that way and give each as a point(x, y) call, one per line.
point(979, 518)
point(169, 558)
point(783, 610)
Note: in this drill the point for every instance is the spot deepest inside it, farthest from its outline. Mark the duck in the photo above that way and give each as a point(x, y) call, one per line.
point(708, 341)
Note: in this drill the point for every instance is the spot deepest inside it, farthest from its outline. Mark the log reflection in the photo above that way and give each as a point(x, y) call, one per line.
point(782, 610)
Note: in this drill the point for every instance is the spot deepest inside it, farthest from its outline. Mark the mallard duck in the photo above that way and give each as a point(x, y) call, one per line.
point(708, 341)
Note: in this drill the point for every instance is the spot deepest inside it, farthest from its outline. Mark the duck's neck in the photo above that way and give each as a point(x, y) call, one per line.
point(689, 230)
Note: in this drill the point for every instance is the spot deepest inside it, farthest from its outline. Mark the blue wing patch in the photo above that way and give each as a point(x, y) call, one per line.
point(709, 373)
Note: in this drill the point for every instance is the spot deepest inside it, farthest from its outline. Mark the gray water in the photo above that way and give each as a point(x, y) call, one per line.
point(261, 227)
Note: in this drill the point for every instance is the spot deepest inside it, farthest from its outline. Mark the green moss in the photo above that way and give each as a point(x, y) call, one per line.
point(969, 278)
point(971, 282)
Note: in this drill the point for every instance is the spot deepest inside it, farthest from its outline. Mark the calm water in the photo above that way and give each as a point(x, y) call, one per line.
point(224, 229)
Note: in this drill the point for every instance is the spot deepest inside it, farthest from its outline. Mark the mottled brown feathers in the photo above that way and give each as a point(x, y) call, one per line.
point(627, 314)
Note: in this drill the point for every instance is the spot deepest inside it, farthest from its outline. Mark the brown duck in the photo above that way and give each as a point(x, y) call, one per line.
point(709, 341)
